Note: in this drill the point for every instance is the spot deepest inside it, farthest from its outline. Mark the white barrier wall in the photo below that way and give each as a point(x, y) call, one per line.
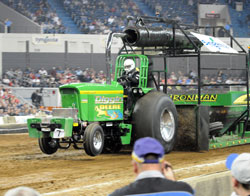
point(77, 43)
point(66, 43)
point(14, 119)
point(55, 43)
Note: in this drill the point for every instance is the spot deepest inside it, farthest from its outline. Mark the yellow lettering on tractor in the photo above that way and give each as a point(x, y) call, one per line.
point(206, 97)
point(242, 100)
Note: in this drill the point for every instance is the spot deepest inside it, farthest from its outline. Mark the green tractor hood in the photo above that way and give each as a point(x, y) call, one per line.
point(95, 102)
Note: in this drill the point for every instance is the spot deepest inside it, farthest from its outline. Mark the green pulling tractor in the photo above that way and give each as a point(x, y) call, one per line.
point(93, 116)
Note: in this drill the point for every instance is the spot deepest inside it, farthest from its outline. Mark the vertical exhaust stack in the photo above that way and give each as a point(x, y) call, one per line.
point(108, 54)
point(108, 57)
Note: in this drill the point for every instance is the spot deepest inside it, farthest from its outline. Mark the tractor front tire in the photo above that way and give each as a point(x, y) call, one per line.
point(48, 145)
point(94, 139)
point(155, 116)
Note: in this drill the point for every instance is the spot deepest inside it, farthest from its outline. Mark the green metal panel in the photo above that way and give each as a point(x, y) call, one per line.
point(67, 125)
point(226, 141)
point(70, 98)
point(127, 138)
point(146, 90)
point(84, 106)
point(32, 131)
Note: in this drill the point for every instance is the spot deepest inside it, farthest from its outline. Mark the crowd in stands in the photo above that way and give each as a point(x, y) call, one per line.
point(190, 80)
point(51, 78)
point(58, 76)
point(184, 11)
point(99, 17)
point(40, 12)
point(10, 105)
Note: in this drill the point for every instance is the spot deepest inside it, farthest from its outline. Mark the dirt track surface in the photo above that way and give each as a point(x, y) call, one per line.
point(71, 172)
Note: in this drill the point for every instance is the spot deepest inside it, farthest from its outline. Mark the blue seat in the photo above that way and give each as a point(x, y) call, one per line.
point(172, 193)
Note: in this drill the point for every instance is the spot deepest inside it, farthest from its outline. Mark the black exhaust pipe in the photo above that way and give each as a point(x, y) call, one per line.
point(158, 36)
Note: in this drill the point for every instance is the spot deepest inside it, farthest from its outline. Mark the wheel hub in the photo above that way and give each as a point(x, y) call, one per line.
point(167, 125)
point(97, 140)
point(52, 143)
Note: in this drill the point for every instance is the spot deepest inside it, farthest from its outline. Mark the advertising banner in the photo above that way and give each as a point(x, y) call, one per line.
point(214, 44)
point(45, 39)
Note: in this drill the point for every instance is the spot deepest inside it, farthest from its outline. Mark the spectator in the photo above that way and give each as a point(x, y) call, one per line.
point(206, 80)
point(221, 32)
point(6, 80)
point(53, 72)
point(42, 71)
point(207, 29)
point(153, 174)
point(36, 82)
point(212, 81)
point(173, 77)
point(227, 28)
point(8, 24)
point(222, 75)
point(36, 99)
point(22, 191)
point(219, 80)
point(239, 164)
point(1, 91)
point(193, 75)
point(229, 81)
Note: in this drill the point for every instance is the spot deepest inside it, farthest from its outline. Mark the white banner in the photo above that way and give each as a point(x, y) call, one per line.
point(45, 39)
point(214, 44)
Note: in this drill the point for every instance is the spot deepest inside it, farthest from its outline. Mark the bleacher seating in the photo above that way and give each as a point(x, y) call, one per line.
point(186, 12)
point(183, 10)
point(103, 16)
point(40, 12)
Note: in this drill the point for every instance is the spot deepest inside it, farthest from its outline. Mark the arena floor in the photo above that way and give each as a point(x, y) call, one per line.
point(71, 172)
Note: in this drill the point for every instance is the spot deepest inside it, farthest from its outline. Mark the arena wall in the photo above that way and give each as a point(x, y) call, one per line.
point(48, 60)
point(85, 51)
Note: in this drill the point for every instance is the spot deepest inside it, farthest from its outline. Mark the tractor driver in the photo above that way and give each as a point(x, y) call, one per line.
point(129, 78)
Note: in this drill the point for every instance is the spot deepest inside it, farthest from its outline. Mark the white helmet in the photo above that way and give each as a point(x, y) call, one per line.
point(129, 65)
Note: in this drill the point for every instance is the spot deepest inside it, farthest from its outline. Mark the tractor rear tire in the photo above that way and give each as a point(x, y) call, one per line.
point(94, 139)
point(155, 116)
point(48, 145)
